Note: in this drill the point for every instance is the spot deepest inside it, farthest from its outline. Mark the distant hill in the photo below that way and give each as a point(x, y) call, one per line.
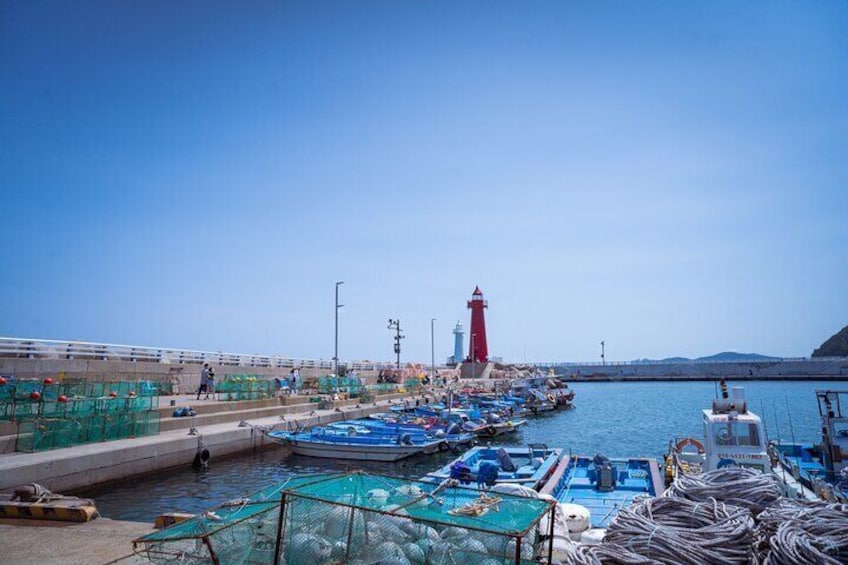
point(733, 356)
point(725, 356)
point(835, 346)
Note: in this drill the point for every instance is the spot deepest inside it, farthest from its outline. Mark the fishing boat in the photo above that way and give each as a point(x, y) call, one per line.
point(733, 436)
point(451, 436)
point(603, 486)
point(333, 443)
point(543, 390)
point(528, 466)
point(821, 467)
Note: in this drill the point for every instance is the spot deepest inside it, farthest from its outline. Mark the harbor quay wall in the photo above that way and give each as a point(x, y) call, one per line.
point(183, 377)
point(86, 465)
point(811, 369)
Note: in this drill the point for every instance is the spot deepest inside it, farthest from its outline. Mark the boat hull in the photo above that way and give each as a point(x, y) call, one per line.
point(353, 452)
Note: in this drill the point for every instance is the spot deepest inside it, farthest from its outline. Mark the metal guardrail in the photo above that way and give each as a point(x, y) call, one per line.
point(54, 349)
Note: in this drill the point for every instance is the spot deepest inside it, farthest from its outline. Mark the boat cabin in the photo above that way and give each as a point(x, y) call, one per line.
point(734, 436)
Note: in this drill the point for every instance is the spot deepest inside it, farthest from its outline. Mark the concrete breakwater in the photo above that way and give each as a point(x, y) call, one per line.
point(795, 369)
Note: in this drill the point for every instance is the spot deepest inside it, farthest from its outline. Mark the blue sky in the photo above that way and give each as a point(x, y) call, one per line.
point(669, 177)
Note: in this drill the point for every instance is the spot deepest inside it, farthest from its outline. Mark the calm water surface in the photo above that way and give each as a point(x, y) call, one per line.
point(616, 419)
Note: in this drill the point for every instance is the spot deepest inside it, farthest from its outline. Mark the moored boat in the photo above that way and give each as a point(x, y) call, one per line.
point(603, 486)
point(528, 466)
point(821, 467)
point(331, 443)
point(733, 437)
point(450, 436)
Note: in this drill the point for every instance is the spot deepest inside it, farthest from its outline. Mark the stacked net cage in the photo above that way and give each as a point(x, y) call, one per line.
point(244, 387)
point(360, 519)
point(351, 386)
point(54, 415)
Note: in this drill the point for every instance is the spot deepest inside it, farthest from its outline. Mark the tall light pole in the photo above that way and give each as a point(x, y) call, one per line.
point(432, 353)
point(336, 349)
point(603, 359)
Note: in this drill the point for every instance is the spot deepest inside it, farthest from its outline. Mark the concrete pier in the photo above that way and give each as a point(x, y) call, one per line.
point(101, 541)
point(83, 466)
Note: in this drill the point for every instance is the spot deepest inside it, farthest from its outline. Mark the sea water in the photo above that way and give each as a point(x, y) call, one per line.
point(617, 419)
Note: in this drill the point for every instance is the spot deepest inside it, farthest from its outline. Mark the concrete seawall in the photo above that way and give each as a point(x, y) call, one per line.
point(755, 370)
point(82, 466)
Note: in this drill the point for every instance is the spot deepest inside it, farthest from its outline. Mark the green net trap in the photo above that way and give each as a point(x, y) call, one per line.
point(358, 519)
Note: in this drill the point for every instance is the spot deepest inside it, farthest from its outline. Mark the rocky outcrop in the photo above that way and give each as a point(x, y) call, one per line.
point(836, 346)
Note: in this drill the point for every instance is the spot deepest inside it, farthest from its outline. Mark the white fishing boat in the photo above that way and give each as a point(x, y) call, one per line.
point(733, 437)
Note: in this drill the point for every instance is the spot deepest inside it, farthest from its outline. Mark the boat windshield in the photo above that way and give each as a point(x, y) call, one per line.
point(736, 433)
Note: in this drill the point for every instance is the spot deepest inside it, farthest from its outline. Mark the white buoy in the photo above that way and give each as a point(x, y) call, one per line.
point(576, 518)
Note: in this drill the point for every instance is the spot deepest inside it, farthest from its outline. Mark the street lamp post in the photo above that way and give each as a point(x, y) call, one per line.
point(336, 348)
point(432, 353)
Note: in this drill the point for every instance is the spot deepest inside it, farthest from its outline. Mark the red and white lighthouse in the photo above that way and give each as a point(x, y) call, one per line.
point(478, 349)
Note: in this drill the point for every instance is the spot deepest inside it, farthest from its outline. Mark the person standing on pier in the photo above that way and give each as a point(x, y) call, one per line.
point(204, 381)
point(210, 384)
point(294, 377)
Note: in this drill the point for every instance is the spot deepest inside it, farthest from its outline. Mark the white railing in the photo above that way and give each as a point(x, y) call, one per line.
point(53, 349)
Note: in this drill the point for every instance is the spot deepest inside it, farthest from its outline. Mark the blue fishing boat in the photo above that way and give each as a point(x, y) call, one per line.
point(334, 443)
point(451, 436)
point(528, 466)
point(602, 485)
point(823, 467)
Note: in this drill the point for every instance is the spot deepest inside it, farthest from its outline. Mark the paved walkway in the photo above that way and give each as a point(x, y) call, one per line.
point(63, 543)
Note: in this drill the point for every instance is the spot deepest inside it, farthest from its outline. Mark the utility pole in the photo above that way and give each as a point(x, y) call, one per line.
point(336, 349)
point(395, 325)
point(603, 359)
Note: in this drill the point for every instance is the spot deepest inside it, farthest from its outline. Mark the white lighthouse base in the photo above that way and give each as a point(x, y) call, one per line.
point(475, 370)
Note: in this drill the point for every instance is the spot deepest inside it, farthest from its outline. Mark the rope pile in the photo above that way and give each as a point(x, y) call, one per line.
point(738, 486)
point(793, 531)
point(674, 531)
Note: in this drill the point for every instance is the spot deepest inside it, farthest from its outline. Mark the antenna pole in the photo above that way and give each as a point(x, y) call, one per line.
point(788, 415)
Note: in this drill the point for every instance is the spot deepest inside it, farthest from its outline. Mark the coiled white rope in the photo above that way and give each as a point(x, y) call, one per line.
point(739, 486)
point(674, 531)
point(793, 531)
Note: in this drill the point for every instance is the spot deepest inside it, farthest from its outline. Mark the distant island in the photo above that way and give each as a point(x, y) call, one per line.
point(725, 356)
point(835, 346)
